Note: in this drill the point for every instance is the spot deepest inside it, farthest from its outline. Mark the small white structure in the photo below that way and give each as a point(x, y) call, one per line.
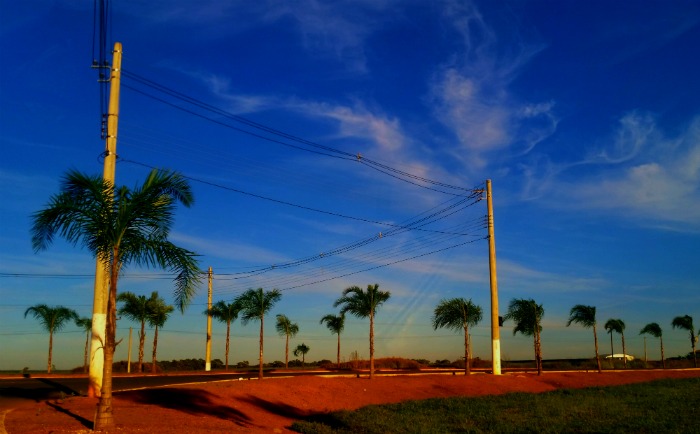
point(620, 356)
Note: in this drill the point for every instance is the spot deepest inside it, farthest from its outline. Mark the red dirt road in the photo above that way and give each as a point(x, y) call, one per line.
point(272, 405)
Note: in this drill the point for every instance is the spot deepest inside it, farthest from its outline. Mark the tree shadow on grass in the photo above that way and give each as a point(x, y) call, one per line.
point(191, 401)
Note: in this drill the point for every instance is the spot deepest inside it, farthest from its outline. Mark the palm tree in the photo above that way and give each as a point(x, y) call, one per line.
point(686, 323)
point(301, 349)
point(158, 313)
point(458, 314)
point(85, 324)
point(225, 312)
point(363, 304)
point(528, 320)
point(135, 308)
point(255, 303)
point(585, 315)
point(285, 327)
point(617, 326)
point(52, 319)
point(336, 324)
point(655, 330)
point(120, 227)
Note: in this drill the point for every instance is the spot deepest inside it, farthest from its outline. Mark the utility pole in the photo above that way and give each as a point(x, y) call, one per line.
point(101, 288)
point(495, 330)
point(128, 358)
point(207, 363)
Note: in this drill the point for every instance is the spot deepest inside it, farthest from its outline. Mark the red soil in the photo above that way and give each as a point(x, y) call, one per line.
point(272, 405)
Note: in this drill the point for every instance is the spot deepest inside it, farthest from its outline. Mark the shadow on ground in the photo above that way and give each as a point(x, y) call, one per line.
point(39, 389)
point(191, 401)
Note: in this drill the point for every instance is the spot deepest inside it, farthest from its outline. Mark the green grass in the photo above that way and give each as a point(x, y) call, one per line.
point(668, 406)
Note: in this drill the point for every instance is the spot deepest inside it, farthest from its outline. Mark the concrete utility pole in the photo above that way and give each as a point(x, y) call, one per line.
point(207, 361)
point(495, 330)
point(101, 288)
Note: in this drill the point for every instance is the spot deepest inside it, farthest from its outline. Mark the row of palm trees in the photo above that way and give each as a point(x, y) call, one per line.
point(459, 314)
point(152, 310)
point(254, 304)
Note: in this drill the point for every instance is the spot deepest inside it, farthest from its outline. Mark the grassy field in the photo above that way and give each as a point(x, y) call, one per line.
point(668, 406)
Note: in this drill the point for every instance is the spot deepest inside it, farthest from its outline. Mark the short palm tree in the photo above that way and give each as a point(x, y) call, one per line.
point(121, 227)
point(255, 304)
point(227, 313)
point(585, 315)
point(135, 308)
point(458, 314)
point(52, 319)
point(655, 330)
point(301, 349)
point(527, 316)
point(336, 324)
point(285, 327)
point(86, 325)
point(686, 323)
point(158, 313)
point(363, 304)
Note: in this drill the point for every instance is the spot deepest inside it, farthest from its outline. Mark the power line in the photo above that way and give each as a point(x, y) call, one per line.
point(307, 145)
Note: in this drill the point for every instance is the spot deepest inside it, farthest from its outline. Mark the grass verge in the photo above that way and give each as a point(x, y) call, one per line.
point(668, 406)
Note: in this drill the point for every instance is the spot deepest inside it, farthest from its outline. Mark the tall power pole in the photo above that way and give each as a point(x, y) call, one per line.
point(101, 288)
point(207, 361)
point(495, 330)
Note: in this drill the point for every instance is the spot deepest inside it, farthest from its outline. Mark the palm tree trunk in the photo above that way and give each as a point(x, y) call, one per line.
point(467, 362)
point(663, 361)
point(104, 416)
point(538, 349)
point(624, 352)
point(48, 365)
point(228, 334)
point(286, 353)
point(260, 367)
point(371, 345)
point(597, 357)
point(692, 341)
point(612, 351)
point(155, 349)
point(338, 350)
point(142, 344)
point(85, 358)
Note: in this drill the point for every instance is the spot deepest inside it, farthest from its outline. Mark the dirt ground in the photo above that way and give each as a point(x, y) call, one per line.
point(271, 405)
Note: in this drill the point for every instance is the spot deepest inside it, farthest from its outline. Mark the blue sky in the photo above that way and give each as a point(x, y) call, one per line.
point(584, 115)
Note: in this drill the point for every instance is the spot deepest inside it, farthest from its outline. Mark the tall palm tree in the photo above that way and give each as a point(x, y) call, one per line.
point(255, 304)
point(301, 349)
point(86, 325)
point(120, 227)
point(655, 330)
point(158, 313)
point(585, 315)
point(285, 327)
point(363, 304)
point(336, 324)
point(686, 323)
point(52, 319)
point(528, 320)
point(458, 314)
point(227, 313)
point(135, 308)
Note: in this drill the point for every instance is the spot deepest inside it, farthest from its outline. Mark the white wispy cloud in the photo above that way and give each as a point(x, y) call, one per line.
point(470, 93)
point(641, 172)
